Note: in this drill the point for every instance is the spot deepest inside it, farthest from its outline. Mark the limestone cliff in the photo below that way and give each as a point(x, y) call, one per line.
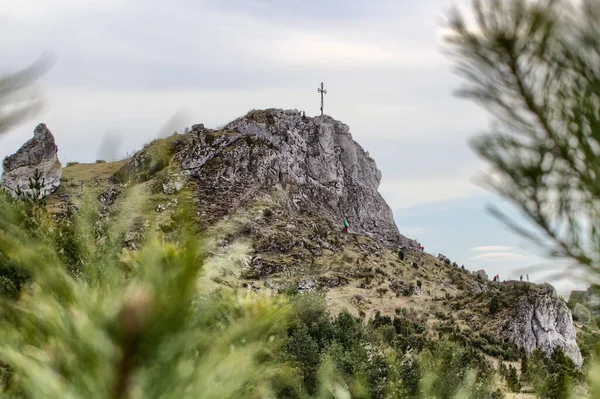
point(541, 320)
point(323, 170)
point(39, 153)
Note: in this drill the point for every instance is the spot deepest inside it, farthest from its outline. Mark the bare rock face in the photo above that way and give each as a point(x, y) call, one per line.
point(324, 171)
point(541, 320)
point(39, 153)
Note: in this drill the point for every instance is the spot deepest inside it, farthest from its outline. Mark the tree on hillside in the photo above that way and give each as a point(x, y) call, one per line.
point(535, 66)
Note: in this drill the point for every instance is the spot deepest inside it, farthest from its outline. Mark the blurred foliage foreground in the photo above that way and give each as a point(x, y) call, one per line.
point(84, 318)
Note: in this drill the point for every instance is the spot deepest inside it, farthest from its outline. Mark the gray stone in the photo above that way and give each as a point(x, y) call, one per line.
point(39, 153)
point(582, 314)
point(307, 285)
point(541, 320)
point(290, 227)
point(198, 127)
point(108, 196)
point(174, 183)
point(589, 298)
point(481, 273)
point(331, 175)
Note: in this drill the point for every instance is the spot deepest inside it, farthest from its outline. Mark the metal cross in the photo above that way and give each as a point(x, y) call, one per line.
point(322, 91)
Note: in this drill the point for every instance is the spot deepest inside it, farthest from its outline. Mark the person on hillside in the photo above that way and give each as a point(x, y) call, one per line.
point(521, 277)
point(346, 225)
point(527, 277)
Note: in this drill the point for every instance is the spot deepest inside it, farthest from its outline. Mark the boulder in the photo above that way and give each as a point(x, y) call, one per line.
point(37, 154)
point(542, 320)
point(174, 183)
point(582, 314)
point(307, 285)
point(481, 273)
point(589, 298)
point(108, 196)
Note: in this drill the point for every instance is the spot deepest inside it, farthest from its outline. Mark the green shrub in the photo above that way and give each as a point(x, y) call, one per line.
point(410, 374)
point(305, 350)
point(502, 370)
point(524, 367)
point(552, 377)
point(512, 380)
point(148, 332)
point(494, 306)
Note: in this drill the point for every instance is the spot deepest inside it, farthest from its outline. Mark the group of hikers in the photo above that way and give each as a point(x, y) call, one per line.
point(496, 278)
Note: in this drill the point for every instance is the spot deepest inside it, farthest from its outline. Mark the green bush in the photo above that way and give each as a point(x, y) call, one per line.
point(410, 374)
point(553, 377)
point(494, 305)
point(512, 380)
point(502, 370)
point(524, 367)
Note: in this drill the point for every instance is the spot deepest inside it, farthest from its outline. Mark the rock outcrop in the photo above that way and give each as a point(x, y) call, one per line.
point(581, 314)
point(481, 273)
point(589, 298)
point(325, 172)
point(541, 320)
point(38, 153)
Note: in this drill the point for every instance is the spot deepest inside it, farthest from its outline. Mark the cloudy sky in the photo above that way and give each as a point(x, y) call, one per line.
point(137, 69)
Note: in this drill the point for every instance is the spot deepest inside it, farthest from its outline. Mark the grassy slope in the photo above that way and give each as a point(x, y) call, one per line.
point(303, 247)
point(286, 239)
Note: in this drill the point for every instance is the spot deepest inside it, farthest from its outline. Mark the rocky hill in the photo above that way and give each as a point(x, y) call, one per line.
point(272, 189)
point(314, 160)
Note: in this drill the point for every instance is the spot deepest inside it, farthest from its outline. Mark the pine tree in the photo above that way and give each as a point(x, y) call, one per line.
point(133, 325)
point(512, 379)
point(524, 367)
point(502, 370)
point(533, 66)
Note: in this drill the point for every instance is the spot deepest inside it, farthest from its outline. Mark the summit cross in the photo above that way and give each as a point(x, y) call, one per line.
point(322, 91)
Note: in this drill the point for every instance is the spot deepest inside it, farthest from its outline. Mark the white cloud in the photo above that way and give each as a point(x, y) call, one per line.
point(48, 10)
point(406, 193)
point(489, 248)
point(499, 256)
